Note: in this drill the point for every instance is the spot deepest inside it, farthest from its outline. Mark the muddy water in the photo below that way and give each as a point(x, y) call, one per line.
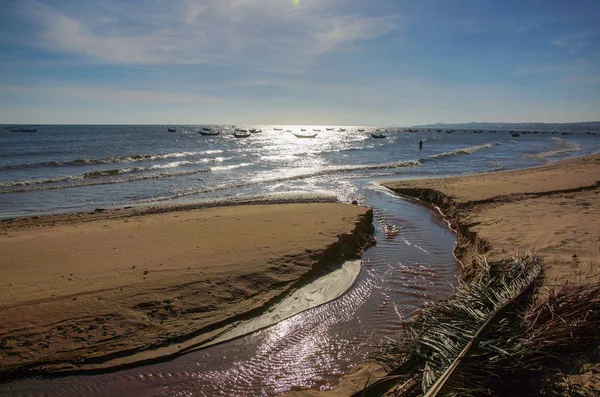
point(412, 264)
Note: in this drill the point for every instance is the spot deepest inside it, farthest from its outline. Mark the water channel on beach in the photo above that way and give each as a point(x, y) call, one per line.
point(411, 265)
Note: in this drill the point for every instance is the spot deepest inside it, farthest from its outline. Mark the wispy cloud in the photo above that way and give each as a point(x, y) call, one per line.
point(211, 31)
point(574, 42)
point(88, 93)
point(527, 71)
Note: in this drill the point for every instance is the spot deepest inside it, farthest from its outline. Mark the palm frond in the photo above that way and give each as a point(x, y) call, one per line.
point(492, 338)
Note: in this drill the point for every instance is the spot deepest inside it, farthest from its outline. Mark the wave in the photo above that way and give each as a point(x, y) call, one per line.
point(230, 167)
point(258, 181)
point(109, 160)
point(570, 148)
point(107, 173)
point(467, 150)
point(89, 179)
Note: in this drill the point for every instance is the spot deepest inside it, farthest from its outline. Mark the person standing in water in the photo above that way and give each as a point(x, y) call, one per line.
point(420, 144)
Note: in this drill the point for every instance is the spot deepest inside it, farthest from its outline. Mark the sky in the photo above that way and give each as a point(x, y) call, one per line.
point(317, 62)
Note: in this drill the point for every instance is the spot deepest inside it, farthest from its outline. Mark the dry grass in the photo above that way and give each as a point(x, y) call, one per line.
point(496, 337)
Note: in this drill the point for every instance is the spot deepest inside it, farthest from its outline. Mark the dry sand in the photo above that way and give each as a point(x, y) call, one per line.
point(553, 210)
point(88, 291)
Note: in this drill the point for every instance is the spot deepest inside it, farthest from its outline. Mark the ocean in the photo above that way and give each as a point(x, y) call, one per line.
point(83, 168)
point(66, 168)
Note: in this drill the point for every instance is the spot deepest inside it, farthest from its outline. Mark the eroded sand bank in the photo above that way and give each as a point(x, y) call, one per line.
point(553, 210)
point(88, 291)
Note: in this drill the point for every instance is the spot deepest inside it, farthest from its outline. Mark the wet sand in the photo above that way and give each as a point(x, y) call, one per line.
point(553, 210)
point(90, 291)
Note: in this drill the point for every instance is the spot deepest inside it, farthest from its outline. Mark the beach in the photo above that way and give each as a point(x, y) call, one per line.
point(100, 290)
point(552, 210)
point(132, 291)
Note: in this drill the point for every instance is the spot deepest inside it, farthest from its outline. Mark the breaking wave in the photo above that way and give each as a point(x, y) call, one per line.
point(467, 150)
point(111, 160)
point(90, 179)
point(306, 175)
point(570, 147)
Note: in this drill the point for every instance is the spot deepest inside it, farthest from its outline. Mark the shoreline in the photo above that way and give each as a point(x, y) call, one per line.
point(552, 209)
point(123, 288)
point(536, 208)
point(461, 212)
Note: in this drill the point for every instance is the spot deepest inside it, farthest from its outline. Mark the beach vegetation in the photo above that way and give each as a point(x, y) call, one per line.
point(499, 335)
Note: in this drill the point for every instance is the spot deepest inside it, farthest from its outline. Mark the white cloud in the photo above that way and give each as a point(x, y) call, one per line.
point(210, 31)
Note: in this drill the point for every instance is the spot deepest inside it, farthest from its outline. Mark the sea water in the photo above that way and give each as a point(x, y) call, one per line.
point(78, 167)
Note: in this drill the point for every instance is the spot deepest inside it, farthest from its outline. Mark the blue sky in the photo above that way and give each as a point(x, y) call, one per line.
point(378, 62)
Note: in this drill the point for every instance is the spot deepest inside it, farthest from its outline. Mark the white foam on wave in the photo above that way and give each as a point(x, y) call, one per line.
point(116, 159)
point(569, 147)
point(230, 167)
point(306, 175)
point(91, 180)
point(467, 150)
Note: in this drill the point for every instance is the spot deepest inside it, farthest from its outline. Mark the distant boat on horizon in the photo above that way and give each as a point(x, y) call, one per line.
point(241, 134)
point(377, 135)
point(209, 133)
point(21, 129)
point(305, 135)
point(329, 129)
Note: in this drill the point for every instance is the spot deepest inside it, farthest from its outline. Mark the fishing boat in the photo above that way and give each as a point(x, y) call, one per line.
point(22, 129)
point(171, 129)
point(206, 129)
point(361, 130)
point(255, 130)
point(515, 134)
point(241, 134)
point(302, 129)
point(277, 129)
point(329, 129)
point(209, 133)
point(316, 130)
point(305, 135)
point(377, 135)
point(341, 130)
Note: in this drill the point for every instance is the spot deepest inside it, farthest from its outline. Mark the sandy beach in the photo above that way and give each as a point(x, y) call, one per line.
point(553, 210)
point(83, 291)
point(90, 291)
